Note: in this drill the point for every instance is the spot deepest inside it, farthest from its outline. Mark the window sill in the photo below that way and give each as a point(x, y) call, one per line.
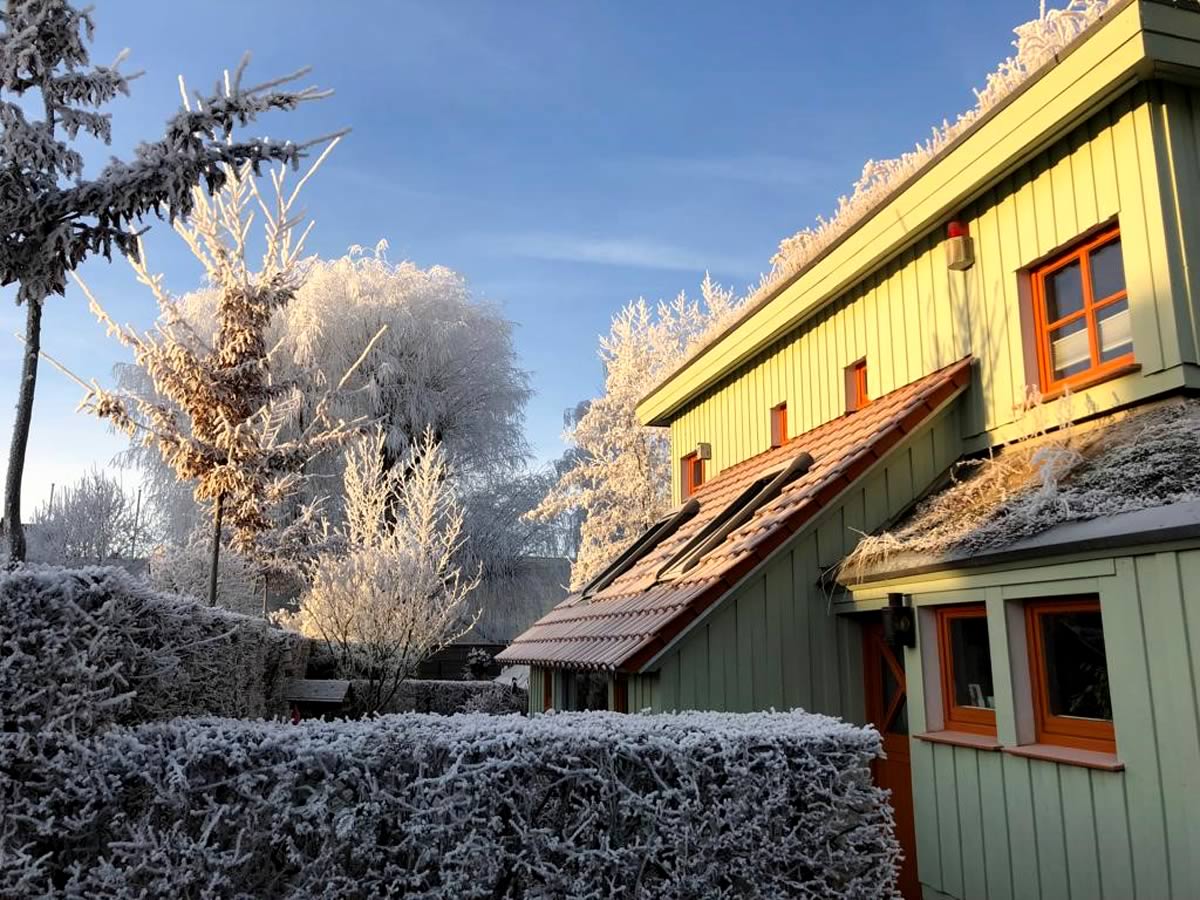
point(1092, 380)
point(961, 739)
point(1069, 756)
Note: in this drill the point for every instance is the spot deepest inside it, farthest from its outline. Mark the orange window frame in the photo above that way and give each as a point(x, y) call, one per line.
point(691, 474)
point(857, 395)
point(1043, 327)
point(959, 718)
point(1062, 731)
point(779, 425)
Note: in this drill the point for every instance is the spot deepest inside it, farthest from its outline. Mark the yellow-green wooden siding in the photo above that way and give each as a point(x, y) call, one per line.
point(1136, 162)
point(775, 642)
point(990, 824)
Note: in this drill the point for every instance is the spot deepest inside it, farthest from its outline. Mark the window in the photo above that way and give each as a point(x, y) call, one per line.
point(1081, 313)
point(779, 425)
point(968, 699)
point(585, 690)
point(691, 474)
point(856, 386)
point(1069, 674)
point(547, 689)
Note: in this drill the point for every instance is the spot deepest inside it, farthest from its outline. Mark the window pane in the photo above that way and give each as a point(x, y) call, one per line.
point(1070, 352)
point(1064, 292)
point(1115, 337)
point(1108, 273)
point(972, 661)
point(1076, 670)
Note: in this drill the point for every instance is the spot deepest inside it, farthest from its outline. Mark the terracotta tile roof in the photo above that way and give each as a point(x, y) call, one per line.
point(625, 624)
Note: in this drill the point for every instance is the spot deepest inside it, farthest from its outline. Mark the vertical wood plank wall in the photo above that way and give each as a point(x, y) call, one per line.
point(537, 687)
point(1135, 161)
point(994, 825)
point(774, 641)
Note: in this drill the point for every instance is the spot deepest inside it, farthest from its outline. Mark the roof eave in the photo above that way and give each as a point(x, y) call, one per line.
point(1137, 40)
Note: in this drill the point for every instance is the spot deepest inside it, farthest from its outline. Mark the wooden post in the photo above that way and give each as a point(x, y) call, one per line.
point(137, 514)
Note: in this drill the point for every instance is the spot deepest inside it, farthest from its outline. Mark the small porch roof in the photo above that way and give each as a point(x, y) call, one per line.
point(1125, 480)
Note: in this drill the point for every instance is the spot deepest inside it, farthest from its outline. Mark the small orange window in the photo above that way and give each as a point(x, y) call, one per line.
point(968, 697)
point(779, 425)
point(1081, 313)
point(856, 386)
point(1069, 674)
point(691, 474)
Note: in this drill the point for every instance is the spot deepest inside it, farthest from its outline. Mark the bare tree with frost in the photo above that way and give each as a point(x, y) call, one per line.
point(222, 425)
point(86, 523)
point(51, 219)
point(390, 591)
point(622, 478)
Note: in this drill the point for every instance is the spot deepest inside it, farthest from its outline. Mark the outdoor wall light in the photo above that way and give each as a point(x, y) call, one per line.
point(960, 248)
point(899, 623)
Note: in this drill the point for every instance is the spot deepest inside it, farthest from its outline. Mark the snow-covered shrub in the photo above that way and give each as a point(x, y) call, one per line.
point(390, 592)
point(581, 805)
point(81, 649)
point(479, 660)
point(428, 695)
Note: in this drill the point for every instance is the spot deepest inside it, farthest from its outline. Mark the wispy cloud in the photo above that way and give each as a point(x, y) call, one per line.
point(757, 168)
point(616, 251)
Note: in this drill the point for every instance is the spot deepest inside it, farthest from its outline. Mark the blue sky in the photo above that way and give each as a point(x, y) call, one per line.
point(565, 157)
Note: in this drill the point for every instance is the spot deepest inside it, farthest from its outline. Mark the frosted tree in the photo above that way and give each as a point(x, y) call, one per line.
point(51, 219)
point(87, 523)
point(446, 361)
point(221, 425)
point(185, 569)
point(390, 591)
point(621, 478)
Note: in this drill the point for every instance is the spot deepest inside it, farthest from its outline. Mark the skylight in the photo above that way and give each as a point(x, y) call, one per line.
point(653, 536)
point(749, 501)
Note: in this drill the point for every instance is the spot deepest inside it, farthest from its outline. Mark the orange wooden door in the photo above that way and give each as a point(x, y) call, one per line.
point(887, 710)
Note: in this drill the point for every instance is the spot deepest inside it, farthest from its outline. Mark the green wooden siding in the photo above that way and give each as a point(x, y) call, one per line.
point(537, 686)
point(1136, 161)
point(774, 642)
point(994, 825)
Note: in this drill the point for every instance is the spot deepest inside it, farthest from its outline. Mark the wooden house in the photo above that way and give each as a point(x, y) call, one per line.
point(1040, 701)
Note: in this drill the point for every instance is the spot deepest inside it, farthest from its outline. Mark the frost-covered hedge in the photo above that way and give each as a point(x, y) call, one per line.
point(81, 649)
point(581, 805)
